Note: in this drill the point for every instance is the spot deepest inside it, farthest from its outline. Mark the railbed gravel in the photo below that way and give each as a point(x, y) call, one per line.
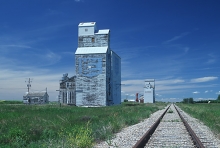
point(171, 132)
point(206, 136)
point(128, 136)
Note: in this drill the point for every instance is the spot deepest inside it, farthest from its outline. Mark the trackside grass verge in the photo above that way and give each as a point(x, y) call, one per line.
point(67, 126)
point(209, 114)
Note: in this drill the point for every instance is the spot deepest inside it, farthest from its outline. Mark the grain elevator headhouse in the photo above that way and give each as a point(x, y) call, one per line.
point(98, 68)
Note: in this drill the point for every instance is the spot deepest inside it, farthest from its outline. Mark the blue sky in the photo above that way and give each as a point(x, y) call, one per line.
point(175, 42)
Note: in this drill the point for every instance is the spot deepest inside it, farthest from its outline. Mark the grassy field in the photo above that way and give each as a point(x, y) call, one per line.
point(209, 114)
point(66, 126)
point(10, 102)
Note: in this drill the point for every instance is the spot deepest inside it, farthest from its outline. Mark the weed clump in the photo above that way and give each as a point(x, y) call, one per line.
point(170, 111)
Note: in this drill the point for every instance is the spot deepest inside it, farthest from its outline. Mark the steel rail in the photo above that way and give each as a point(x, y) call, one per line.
point(195, 139)
point(142, 142)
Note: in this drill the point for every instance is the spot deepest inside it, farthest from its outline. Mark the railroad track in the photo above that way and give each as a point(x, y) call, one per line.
point(164, 129)
point(171, 130)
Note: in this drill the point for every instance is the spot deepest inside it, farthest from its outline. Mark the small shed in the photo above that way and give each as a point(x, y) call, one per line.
point(36, 98)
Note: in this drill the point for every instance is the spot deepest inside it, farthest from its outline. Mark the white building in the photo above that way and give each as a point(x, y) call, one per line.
point(36, 98)
point(67, 94)
point(98, 68)
point(149, 91)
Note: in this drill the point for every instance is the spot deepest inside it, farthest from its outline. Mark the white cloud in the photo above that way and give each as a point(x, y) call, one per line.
point(210, 98)
point(208, 91)
point(211, 61)
point(170, 99)
point(13, 86)
point(204, 99)
point(203, 79)
point(177, 37)
point(29, 59)
point(133, 82)
point(50, 58)
point(157, 82)
point(174, 98)
point(201, 98)
point(218, 93)
point(169, 81)
point(196, 92)
point(132, 95)
point(163, 87)
point(212, 58)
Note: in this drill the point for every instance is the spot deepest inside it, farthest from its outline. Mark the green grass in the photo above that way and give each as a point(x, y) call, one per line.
point(67, 126)
point(209, 114)
point(10, 102)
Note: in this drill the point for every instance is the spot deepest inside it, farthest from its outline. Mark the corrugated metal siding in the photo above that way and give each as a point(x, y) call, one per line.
point(67, 93)
point(104, 31)
point(36, 98)
point(86, 24)
point(88, 28)
point(36, 94)
point(91, 79)
point(149, 91)
point(115, 78)
point(86, 31)
point(97, 79)
point(91, 50)
point(68, 96)
point(99, 40)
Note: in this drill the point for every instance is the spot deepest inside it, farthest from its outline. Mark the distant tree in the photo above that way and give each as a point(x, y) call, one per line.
point(125, 100)
point(218, 97)
point(188, 100)
point(191, 100)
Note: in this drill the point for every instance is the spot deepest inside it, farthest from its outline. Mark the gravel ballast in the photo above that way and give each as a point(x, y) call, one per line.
point(128, 136)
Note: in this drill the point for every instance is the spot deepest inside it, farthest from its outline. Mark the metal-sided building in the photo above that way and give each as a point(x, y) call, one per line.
point(115, 78)
point(149, 91)
point(98, 68)
point(67, 94)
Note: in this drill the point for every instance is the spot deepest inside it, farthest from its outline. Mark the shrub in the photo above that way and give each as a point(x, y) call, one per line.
point(125, 100)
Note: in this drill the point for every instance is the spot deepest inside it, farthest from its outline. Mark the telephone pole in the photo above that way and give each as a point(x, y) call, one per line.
point(28, 83)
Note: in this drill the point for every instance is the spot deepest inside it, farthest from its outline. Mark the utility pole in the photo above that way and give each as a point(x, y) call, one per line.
point(28, 83)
